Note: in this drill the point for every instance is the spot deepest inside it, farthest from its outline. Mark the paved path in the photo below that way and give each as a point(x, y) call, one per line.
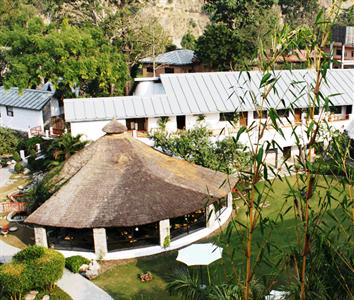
point(5, 174)
point(79, 288)
point(7, 252)
point(76, 286)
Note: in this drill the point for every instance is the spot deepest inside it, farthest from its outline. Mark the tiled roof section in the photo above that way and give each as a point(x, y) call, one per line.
point(176, 57)
point(28, 99)
point(202, 93)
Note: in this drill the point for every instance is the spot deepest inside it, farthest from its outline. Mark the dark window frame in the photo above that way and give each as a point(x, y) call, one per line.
point(264, 114)
point(9, 111)
point(283, 113)
point(169, 70)
point(227, 117)
point(149, 69)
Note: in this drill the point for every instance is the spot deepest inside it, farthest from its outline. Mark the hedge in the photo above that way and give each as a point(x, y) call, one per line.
point(29, 253)
point(73, 263)
point(14, 280)
point(32, 268)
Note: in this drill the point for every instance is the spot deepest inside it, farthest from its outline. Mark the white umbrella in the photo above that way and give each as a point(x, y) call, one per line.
point(200, 255)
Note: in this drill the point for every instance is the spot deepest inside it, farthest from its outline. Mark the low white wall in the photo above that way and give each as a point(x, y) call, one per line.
point(176, 244)
point(91, 130)
point(22, 119)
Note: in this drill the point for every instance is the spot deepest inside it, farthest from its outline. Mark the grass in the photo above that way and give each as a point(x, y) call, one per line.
point(121, 281)
point(55, 294)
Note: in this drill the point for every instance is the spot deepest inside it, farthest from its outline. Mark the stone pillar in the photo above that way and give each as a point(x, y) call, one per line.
point(229, 199)
point(100, 242)
point(210, 216)
point(165, 236)
point(40, 236)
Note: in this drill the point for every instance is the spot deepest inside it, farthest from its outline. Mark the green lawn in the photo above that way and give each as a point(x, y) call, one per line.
point(121, 281)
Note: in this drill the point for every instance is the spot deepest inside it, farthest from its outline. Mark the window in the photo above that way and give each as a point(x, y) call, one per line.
point(348, 109)
point(263, 115)
point(283, 113)
point(169, 70)
point(150, 69)
point(10, 111)
point(228, 116)
point(338, 51)
point(336, 110)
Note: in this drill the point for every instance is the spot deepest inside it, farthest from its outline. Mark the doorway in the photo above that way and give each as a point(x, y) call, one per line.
point(298, 112)
point(244, 118)
point(181, 122)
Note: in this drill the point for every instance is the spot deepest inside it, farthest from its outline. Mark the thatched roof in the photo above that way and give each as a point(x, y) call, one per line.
point(120, 181)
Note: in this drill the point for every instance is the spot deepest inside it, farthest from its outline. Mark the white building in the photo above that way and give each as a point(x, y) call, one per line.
point(27, 110)
point(212, 99)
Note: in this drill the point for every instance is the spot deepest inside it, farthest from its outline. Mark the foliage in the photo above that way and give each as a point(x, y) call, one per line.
point(188, 41)
point(194, 145)
point(69, 57)
point(346, 17)
point(167, 241)
point(32, 268)
point(19, 168)
point(29, 253)
point(73, 263)
point(9, 140)
point(231, 40)
point(13, 280)
point(65, 146)
point(329, 270)
point(299, 12)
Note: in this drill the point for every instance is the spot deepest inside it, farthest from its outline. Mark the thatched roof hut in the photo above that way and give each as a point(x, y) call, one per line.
point(120, 181)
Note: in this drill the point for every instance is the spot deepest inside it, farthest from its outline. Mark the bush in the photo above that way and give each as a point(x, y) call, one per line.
point(16, 156)
point(29, 253)
point(43, 267)
point(13, 280)
point(19, 168)
point(73, 263)
point(46, 270)
point(9, 140)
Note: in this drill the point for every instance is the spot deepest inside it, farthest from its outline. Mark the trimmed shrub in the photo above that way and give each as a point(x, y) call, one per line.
point(13, 280)
point(29, 253)
point(43, 267)
point(46, 270)
point(19, 168)
point(73, 263)
point(16, 156)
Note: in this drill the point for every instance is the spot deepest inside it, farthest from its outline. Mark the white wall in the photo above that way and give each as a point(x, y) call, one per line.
point(22, 119)
point(92, 130)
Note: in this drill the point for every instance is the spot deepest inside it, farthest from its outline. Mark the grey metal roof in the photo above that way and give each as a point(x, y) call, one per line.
point(106, 108)
point(176, 57)
point(202, 93)
point(28, 99)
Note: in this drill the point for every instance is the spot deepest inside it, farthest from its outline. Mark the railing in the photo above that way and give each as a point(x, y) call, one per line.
point(6, 207)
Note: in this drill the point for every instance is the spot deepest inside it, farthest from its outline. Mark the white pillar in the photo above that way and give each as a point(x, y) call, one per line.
point(135, 134)
point(229, 199)
point(165, 236)
point(210, 216)
point(40, 236)
point(22, 155)
point(100, 242)
point(47, 133)
point(38, 147)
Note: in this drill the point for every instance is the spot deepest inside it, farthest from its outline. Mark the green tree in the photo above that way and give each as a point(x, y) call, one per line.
point(299, 12)
point(231, 40)
point(68, 56)
point(189, 41)
point(9, 141)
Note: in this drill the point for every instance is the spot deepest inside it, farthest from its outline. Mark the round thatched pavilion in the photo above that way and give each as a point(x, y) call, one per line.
point(121, 198)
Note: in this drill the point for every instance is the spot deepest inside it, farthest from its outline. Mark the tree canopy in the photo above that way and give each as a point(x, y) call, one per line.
point(231, 40)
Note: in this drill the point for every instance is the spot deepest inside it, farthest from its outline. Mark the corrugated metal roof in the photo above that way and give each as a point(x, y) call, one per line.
point(202, 93)
point(192, 93)
point(176, 57)
point(28, 99)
